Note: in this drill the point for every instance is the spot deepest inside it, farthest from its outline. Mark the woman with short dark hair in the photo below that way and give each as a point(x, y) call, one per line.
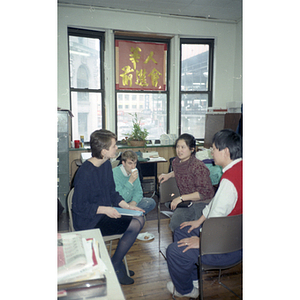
point(95, 197)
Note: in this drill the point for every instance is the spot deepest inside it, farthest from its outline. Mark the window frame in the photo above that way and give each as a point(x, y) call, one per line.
point(141, 38)
point(209, 92)
point(86, 33)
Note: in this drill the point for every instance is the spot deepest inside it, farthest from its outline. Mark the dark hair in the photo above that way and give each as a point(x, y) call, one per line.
point(129, 154)
point(228, 138)
point(99, 140)
point(189, 140)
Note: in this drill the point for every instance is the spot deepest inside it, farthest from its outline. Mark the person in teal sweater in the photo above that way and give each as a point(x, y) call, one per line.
point(128, 183)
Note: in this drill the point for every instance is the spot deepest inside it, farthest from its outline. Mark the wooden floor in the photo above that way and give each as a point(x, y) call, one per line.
point(151, 271)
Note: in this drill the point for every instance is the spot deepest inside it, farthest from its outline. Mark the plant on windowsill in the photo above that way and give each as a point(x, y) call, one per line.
point(137, 137)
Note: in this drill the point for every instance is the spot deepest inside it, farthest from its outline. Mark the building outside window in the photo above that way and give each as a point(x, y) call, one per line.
point(85, 63)
point(196, 85)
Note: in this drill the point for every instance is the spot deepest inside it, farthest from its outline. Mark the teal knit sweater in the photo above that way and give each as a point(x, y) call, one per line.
point(129, 192)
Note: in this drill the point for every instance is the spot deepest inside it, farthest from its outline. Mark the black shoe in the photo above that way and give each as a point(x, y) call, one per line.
point(123, 278)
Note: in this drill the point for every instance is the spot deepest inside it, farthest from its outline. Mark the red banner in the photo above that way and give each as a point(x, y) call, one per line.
point(140, 66)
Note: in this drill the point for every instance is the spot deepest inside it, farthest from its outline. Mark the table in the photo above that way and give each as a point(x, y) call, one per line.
point(166, 151)
point(149, 168)
point(114, 291)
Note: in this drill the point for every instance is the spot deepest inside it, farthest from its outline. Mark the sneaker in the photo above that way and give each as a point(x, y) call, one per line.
point(193, 294)
point(196, 284)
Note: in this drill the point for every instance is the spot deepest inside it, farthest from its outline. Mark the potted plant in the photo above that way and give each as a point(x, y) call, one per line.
point(138, 136)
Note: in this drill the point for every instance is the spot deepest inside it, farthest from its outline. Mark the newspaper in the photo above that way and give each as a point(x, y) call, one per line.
point(77, 258)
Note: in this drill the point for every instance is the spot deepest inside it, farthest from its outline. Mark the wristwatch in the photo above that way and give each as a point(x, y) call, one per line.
point(181, 199)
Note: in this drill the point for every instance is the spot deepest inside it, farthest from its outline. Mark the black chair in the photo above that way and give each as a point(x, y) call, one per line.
point(170, 166)
point(168, 191)
point(219, 236)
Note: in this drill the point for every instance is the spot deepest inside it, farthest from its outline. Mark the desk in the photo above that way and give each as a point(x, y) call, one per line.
point(166, 151)
point(114, 291)
point(149, 168)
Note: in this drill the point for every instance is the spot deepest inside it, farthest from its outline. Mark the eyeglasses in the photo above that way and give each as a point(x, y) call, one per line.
point(212, 149)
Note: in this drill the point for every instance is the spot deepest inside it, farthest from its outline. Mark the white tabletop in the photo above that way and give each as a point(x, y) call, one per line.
point(114, 291)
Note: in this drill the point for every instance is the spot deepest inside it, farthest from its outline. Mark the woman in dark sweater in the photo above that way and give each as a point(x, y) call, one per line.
point(94, 198)
point(192, 177)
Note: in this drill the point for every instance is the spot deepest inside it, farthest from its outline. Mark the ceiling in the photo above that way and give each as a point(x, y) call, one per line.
point(228, 10)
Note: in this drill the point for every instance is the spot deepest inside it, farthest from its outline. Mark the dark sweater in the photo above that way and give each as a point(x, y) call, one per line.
point(93, 187)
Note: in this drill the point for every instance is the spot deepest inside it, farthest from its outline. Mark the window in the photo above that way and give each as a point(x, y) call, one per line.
point(141, 79)
point(86, 86)
point(195, 84)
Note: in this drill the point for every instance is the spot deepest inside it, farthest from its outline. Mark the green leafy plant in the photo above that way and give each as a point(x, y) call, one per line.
point(137, 133)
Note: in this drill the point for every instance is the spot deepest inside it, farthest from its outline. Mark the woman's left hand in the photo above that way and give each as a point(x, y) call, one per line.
point(190, 243)
point(175, 202)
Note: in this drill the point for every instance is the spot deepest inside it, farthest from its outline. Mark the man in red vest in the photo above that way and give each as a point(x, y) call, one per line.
point(182, 255)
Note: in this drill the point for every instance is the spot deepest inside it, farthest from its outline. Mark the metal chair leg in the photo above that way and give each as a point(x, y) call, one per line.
point(158, 228)
point(126, 266)
point(110, 246)
point(226, 287)
point(200, 284)
point(158, 224)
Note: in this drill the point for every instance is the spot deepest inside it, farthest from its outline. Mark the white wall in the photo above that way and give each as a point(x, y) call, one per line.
point(227, 85)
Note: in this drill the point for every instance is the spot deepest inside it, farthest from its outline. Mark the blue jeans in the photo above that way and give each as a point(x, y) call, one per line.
point(147, 204)
point(182, 266)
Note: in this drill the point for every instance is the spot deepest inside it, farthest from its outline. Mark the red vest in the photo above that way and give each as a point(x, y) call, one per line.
point(235, 175)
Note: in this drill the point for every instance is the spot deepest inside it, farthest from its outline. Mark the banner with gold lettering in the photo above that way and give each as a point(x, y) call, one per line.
point(140, 66)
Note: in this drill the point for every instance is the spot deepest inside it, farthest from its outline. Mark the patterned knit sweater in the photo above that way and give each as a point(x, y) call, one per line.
point(193, 176)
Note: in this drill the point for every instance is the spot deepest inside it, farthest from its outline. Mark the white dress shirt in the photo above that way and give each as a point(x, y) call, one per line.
point(225, 199)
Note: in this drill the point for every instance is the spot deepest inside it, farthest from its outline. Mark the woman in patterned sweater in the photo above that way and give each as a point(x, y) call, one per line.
point(192, 177)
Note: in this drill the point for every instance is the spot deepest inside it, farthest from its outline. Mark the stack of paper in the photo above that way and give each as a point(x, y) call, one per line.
point(150, 154)
point(79, 266)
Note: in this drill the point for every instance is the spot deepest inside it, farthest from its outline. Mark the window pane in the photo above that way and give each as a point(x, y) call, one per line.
point(84, 62)
point(150, 108)
point(194, 67)
point(87, 111)
point(193, 110)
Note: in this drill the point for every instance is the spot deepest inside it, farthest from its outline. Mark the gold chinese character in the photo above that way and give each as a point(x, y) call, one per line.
point(150, 58)
point(126, 76)
point(154, 75)
point(141, 77)
point(135, 56)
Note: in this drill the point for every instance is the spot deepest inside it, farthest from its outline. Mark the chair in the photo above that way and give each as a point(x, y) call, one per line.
point(69, 203)
point(107, 239)
point(219, 236)
point(170, 166)
point(168, 191)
